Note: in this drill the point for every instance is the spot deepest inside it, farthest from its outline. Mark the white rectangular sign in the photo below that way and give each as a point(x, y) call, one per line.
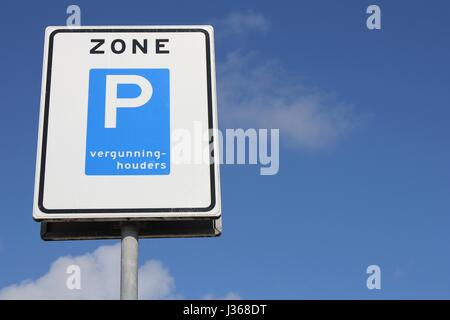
point(127, 124)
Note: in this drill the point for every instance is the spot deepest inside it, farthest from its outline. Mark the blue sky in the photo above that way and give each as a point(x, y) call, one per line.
point(368, 183)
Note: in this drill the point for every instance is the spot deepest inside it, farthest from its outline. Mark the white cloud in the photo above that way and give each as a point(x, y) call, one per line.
point(100, 279)
point(228, 296)
point(265, 95)
point(241, 22)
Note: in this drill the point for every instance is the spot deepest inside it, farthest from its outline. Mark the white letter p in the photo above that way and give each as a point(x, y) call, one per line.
point(112, 102)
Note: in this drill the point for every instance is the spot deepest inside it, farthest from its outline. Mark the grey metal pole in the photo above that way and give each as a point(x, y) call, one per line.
point(129, 262)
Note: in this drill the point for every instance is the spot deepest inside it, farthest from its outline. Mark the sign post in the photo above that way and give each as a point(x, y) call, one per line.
point(128, 145)
point(129, 262)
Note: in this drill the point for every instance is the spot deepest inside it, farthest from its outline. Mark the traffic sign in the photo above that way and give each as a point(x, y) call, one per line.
point(120, 111)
